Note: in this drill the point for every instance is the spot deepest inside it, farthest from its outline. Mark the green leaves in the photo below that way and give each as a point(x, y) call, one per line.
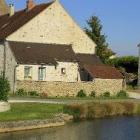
point(94, 31)
point(129, 63)
point(4, 88)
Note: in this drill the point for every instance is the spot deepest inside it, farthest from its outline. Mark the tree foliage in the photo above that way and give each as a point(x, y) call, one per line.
point(94, 31)
point(4, 88)
point(129, 63)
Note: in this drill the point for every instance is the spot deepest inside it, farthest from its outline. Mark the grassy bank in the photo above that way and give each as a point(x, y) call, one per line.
point(86, 110)
point(31, 111)
point(102, 110)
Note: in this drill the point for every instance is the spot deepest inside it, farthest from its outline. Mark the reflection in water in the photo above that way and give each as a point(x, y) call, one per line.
point(124, 128)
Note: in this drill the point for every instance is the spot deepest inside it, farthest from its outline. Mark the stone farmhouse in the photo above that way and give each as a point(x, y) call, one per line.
point(43, 49)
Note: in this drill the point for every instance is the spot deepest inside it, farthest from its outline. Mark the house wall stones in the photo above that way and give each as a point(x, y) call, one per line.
point(53, 73)
point(10, 63)
point(10, 66)
point(1, 57)
point(54, 89)
point(54, 25)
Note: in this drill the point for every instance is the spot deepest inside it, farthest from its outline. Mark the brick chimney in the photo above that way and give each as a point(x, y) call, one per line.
point(11, 9)
point(30, 4)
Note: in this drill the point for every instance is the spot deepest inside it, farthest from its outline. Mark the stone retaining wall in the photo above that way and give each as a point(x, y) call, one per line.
point(58, 120)
point(54, 89)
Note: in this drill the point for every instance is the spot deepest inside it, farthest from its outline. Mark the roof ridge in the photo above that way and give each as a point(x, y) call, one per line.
point(29, 10)
point(11, 24)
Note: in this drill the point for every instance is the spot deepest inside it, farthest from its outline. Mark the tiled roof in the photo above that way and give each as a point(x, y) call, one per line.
point(103, 72)
point(88, 59)
point(9, 24)
point(36, 53)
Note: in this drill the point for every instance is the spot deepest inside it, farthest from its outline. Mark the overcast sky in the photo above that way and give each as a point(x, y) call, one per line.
point(120, 19)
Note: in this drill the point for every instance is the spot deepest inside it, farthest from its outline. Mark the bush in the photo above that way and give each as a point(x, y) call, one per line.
point(21, 92)
point(44, 95)
point(129, 108)
point(74, 110)
point(106, 94)
point(4, 88)
point(129, 63)
point(122, 94)
point(33, 93)
point(81, 94)
point(101, 110)
point(93, 94)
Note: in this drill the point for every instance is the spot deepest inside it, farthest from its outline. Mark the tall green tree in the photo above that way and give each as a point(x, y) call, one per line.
point(94, 31)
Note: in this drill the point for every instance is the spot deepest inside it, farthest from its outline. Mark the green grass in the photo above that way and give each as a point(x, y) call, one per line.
point(90, 110)
point(31, 111)
point(70, 98)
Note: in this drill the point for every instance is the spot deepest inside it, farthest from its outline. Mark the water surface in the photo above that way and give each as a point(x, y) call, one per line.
point(123, 128)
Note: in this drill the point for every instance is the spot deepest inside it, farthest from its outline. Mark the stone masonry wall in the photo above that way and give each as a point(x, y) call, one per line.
point(54, 25)
point(10, 67)
point(54, 89)
point(52, 73)
point(1, 57)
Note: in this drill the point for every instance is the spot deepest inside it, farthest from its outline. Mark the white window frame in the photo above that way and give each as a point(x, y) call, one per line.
point(41, 77)
point(29, 75)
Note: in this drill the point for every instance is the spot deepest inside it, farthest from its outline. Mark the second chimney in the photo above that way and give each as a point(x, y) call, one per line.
point(30, 4)
point(11, 9)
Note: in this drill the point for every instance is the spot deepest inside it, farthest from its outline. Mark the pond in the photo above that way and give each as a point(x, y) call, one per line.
point(122, 128)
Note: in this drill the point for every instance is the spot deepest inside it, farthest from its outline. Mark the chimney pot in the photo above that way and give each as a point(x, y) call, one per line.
point(11, 9)
point(30, 4)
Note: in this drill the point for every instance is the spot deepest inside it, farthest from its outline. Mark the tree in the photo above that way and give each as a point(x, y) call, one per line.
point(94, 31)
point(4, 88)
point(128, 65)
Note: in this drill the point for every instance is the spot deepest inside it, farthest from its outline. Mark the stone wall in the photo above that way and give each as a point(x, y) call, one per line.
point(10, 63)
point(54, 89)
point(53, 73)
point(10, 66)
point(54, 25)
point(1, 57)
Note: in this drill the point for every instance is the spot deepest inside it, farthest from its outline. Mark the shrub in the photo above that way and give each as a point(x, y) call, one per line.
point(33, 93)
point(106, 94)
point(4, 88)
point(81, 94)
point(129, 108)
point(44, 95)
point(122, 94)
point(78, 111)
point(93, 94)
point(21, 92)
point(101, 110)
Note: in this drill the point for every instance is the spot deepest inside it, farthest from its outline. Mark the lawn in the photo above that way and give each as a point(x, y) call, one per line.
point(31, 111)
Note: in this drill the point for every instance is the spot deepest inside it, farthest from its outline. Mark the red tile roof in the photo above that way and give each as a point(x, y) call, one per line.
point(104, 72)
point(9, 24)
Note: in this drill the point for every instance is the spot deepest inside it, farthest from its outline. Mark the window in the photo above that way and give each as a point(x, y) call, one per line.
point(63, 71)
point(42, 73)
point(27, 72)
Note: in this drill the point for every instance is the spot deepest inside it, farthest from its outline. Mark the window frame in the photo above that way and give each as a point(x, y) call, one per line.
point(39, 73)
point(63, 71)
point(29, 75)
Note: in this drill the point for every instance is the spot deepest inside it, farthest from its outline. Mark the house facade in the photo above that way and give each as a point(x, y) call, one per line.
point(43, 49)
